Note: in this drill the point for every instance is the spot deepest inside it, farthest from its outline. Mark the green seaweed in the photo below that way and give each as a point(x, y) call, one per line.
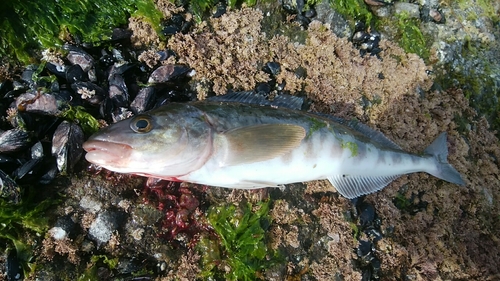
point(409, 36)
point(21, 223)
point(355, 10)
point(241, 230)
point(411, 205)
point(78, 115)
point(30, 25)
point(199, 8)
point(111, 263)
point(96, 261)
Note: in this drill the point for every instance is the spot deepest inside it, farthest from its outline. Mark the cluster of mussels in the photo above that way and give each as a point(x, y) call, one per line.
point(369, 234)
point(50, 108)
point(366, 42)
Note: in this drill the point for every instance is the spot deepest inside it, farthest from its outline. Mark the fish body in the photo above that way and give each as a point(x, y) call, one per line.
point(246, 145)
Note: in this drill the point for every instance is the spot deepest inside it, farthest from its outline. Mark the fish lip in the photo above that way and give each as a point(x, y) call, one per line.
point(92, 145)
point(106, 154)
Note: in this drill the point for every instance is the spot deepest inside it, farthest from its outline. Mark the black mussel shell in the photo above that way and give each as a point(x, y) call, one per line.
point(177, 23)
point(300, 72)
point(273, 68)
point(13, 268)
point(67, 144)
point(119, 69)
point(311, 13)
point(14, 140)
point(105, 109)
point(120, 34)
point(47, 104)
point(359, 37)
point(144, 100)
point(263, 89)
point(167, 73)
point(75, 73)
point(5, 87)
point(220, 9)
point(366, 214)
point(37, 125)
point(106, 59)
point(118, 91)
point(57, 69)
point(29, 167)
point(37, 151)
point(364, 248)
point(27, 75)
point(50, 173)
point(9, 190)
point(78, 56)
point(4, 159)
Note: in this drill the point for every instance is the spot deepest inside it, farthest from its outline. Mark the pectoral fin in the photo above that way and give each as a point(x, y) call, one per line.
point(355, 186)
point(257, 143)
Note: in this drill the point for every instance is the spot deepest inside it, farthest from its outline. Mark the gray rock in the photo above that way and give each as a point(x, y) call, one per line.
point(412, 9)
point(337, 22)
point(104, 225)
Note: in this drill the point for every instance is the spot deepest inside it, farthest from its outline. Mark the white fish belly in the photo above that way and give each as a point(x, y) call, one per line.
point(321, 156)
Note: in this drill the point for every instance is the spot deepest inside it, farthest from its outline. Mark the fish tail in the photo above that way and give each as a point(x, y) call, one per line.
point(439, 150)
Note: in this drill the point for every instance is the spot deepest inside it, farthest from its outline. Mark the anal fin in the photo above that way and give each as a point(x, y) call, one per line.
point(355, 186)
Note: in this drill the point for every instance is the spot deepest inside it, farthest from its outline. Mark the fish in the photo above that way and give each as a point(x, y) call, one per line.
point(243, 140)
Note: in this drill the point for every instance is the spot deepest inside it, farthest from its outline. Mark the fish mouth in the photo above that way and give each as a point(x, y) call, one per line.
point(107, 154)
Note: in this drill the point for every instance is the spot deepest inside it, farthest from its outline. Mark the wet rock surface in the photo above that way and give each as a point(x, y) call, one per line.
point(121, 227)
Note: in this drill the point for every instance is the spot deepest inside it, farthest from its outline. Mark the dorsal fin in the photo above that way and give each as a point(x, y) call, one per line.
point(251, 97)
point(295, 103)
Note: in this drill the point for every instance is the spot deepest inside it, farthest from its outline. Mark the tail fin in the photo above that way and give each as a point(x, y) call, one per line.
point(439, 149)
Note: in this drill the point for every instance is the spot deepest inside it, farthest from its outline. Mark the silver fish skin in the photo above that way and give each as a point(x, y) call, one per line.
point(239, 145)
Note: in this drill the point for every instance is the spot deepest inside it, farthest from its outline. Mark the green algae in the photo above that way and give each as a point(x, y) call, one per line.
point(78, 115)
point(410, 36)
point(487, 10)
point(242, 246)
point(200, 8)
point(315, 126)
point(29, 25)
point(478, 78)
point(355, 10)
point(352, 146)
point(407, 34)
point(21, 223)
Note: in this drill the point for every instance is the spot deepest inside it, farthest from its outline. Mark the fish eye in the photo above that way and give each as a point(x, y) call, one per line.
point(141, 124)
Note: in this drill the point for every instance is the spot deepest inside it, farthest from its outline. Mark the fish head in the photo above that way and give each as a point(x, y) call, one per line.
point(164, 143)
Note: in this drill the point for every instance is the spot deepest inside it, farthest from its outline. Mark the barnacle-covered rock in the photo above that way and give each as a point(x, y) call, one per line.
point(67, 145)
